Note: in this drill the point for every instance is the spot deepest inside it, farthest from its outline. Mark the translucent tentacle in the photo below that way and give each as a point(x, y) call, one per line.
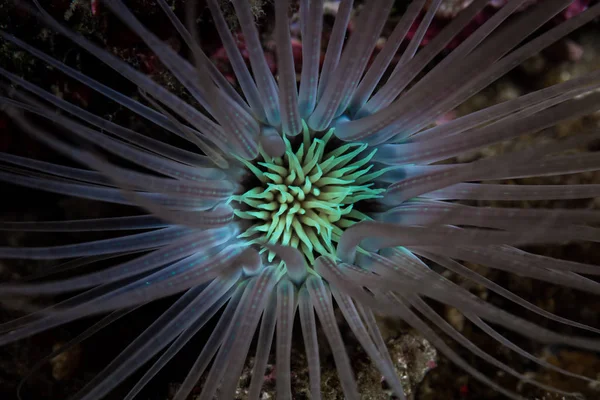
point(412, 319)
point(194, 244)
point(427, 213)
point(491, 113)
point(76, 263)
point(286, 311)
point(352, 317)
point(179, 343)
point(55, 169)
point(230, 359)
point(341, 86)
point(393, 153)
point(418, 36)
point(394, 119)
point(203, 124)
point(213, 154)
point(128, 152)
point(179, 317)
point(215, 74)
point(378, 235)
point(109, 297)
point(137, 241)
point(238, 126)
point(175, 278)
point(430, 314)
point(86, 225)
point(212, 345)
point(402, 264)
point(264, 79)
point(309, 334)
point(165, 282)
point(498, 258)
point(351, 279)
point(311, 18)
point(443, 68)
point(549, 166)
point(369, 320)
point(382, 61)
point(437, 179)
point(410, 70)
point(104, 322)
point(288, 95)
point(534, 166)
point(474, 191)
point(334, 47)
point(321, 299)
point(220, 215)
point(475, 277)
point(237, 62)
point(462, 299)
point(201, 164)
point(295, 263)
point(105, 194)
point(505, 342)
point(498, 69)
point(271, 142)
point(263, 348)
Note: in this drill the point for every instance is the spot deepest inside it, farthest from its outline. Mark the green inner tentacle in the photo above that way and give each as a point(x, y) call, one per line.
point(307, 198)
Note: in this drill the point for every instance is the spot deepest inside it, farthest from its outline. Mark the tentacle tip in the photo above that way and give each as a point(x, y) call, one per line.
point(345, 254)
point(316, 123)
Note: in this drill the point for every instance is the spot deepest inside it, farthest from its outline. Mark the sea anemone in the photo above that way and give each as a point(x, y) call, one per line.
point(312, 199)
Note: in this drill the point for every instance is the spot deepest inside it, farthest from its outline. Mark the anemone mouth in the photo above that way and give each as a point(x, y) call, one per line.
point(306, 198)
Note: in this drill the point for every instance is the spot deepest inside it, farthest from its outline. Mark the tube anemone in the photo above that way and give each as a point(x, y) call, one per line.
point(319, 197)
